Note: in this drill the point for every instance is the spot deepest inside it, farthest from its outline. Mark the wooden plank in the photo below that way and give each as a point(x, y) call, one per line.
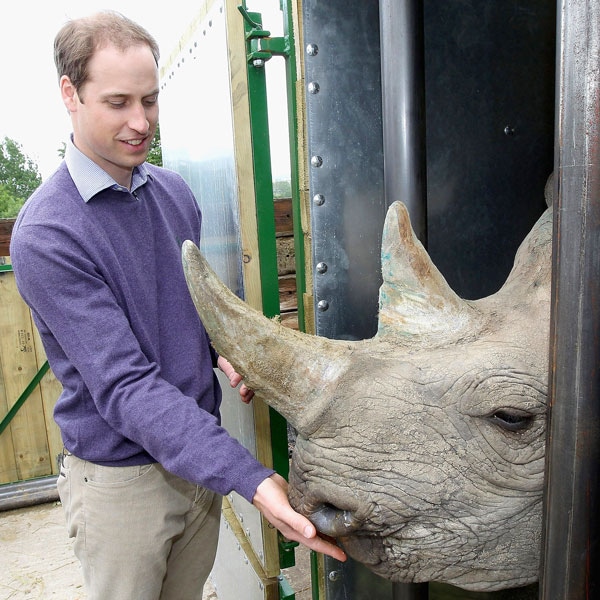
point(290, 319)
point(8, 464)
point(242, 142)
point(50, 389)
point(248, 227)
point(286, 256)
point(288, 300)
point(6, 227)
point(284, 224)
point(17, 356)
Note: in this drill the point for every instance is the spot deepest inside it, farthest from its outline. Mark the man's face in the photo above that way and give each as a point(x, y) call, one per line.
point(115, 113)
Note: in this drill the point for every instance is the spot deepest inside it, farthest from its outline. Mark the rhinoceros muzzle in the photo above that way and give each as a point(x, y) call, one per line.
point(334, 522)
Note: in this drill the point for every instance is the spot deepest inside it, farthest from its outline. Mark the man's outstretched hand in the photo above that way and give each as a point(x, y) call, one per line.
point(246, 394)
point(272, 501)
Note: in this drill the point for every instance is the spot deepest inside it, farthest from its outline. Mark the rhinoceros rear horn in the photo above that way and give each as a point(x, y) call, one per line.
point(414, 299)
point(288, 369)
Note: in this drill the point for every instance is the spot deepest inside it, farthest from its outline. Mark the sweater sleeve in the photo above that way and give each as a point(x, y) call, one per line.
point(118, 396)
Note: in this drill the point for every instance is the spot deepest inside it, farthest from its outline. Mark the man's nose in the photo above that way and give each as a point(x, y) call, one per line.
point(138, 119)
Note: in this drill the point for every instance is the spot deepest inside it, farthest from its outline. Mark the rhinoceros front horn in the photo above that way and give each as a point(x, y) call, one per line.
point(290, 370)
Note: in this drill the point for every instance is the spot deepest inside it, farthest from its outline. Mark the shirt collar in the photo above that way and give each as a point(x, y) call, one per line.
point(90, 179)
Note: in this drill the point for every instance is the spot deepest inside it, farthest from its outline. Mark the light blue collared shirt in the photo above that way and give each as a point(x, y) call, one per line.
point(89, 178)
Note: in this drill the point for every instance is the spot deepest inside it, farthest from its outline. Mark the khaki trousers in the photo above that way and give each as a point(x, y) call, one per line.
point(140, 533)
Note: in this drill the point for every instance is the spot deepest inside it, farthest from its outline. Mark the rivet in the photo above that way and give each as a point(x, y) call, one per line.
point(313, 87)
point(323, 305)
point(508, 130)
point(319, 199)
point(312, 49)
point(333, 575)
point(316, 161)
point(321, 267)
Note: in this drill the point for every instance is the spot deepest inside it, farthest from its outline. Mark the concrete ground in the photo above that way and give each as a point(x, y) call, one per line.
point(37, 561)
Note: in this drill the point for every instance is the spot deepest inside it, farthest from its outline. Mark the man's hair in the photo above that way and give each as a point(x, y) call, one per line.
point(78, 40)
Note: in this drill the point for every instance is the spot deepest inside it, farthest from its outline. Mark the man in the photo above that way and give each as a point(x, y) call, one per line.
point(96, 255)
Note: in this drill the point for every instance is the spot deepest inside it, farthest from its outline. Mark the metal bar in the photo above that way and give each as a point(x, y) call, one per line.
point(286, 592)
point(314, 575)
point(570, 553)
point(292, 106)
point(403, 101)
point(28, 493)
point(265, 215)
point(14, 409)
point(263, 181)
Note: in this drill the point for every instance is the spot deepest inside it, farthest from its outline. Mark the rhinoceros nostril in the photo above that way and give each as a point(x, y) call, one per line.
point(332, 521)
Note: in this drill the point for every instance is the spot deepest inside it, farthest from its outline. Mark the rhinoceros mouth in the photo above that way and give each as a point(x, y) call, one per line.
point(350, 533)
point(333, 521)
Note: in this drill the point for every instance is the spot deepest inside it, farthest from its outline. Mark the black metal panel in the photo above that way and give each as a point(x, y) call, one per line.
point(403, 106)
point(342, 71)
point(490, 113)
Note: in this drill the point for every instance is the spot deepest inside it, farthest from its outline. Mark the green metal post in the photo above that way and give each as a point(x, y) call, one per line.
point(261, 152)
point(291, 76)
point(261, 47)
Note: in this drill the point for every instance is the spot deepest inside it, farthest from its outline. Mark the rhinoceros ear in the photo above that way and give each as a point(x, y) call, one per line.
point(415, 299)
point(531, 275)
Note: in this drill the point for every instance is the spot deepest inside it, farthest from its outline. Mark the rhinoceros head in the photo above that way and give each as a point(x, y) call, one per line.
point(421, 449)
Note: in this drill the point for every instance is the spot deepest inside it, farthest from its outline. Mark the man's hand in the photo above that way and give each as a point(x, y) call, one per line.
point(246, 394)
point(272, 501)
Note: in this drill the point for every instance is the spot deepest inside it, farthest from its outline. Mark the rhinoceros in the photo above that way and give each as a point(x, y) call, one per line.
point(421, 449)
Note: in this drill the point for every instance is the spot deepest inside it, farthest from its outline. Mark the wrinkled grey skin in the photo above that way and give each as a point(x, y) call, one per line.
point(422, 449)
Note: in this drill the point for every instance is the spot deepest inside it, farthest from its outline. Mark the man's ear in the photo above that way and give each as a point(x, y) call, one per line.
point(69, 94)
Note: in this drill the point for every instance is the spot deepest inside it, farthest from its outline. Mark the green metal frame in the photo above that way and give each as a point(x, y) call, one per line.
point(291, 77)
point(260, 48)
point(261, 153)
point(286, 592)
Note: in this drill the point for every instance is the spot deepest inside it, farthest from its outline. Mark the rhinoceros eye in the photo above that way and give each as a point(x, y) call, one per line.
point(511, 420)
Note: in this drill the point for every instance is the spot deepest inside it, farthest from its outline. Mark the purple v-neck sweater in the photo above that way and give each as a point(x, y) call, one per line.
point(105, 284)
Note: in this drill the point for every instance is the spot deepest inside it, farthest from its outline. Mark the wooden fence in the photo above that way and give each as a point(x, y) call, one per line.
point(30, 442)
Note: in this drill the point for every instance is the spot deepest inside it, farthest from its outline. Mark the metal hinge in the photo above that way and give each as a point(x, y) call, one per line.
point(261, 46)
